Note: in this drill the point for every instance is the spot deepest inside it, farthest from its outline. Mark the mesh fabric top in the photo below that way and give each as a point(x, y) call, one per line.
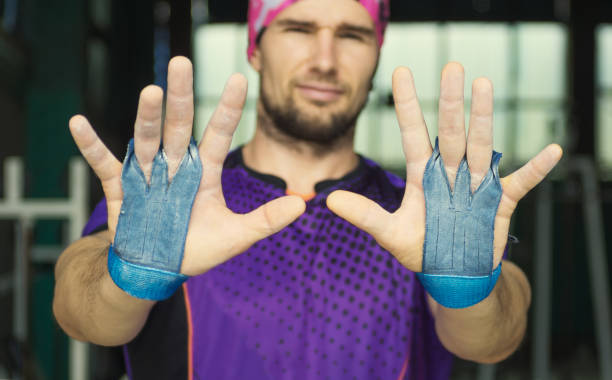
point(318, 300)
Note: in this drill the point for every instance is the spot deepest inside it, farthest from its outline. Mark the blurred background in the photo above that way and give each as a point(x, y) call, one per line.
point(551, 65)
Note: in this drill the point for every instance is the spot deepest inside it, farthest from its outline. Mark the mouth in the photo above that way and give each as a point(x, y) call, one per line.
point(320, 92)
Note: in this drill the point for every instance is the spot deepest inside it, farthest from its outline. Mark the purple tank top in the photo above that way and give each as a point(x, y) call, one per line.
point(318, 300)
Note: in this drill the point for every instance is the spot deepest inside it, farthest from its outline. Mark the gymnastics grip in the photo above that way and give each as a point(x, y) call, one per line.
point(145, 258)
point(458, 250)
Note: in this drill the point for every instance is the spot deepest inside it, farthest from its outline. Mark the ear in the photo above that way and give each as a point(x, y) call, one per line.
point(255, 59)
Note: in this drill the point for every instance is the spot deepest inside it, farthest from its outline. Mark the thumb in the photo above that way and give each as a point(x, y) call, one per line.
point(519, 183)
point(271, 217)
point(361, 212)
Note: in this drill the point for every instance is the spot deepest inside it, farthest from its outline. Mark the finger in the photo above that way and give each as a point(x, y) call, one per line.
point(217, 137)
point(480, 134)
point(415, 139)
point(97, 155)
point(179, 111)
point(361, 212)
point(271, 217)
point(147, 128)
point(519, 183)
point(451, 119)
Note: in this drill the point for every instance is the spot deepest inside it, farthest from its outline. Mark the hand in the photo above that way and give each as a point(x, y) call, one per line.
point(215, 233)
point(402, 233)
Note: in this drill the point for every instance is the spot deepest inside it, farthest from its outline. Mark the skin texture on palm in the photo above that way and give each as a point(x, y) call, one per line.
point(403, 232)
point(215, 233)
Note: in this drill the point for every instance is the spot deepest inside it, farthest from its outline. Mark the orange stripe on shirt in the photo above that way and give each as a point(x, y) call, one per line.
point(305, 197)
point(189, 334)
point(404, 369)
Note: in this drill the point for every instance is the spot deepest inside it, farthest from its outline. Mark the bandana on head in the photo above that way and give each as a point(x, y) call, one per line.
point(263, 12)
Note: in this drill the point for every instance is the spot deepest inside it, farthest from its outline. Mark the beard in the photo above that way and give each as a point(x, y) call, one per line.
point(323, 131)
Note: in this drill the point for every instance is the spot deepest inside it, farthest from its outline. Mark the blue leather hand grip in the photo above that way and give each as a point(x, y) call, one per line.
point(458, 249)
point(145, 258)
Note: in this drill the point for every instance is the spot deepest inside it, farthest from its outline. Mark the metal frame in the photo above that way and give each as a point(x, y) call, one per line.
point(26, 212)
point(593, 224)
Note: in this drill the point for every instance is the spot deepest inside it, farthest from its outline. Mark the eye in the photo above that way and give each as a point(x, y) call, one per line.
point(297, 29)
point(351, 36)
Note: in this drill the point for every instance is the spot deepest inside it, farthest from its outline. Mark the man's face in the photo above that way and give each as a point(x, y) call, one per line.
point(316, 61)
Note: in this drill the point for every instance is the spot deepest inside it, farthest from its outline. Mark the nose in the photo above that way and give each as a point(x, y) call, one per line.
point(324, 51)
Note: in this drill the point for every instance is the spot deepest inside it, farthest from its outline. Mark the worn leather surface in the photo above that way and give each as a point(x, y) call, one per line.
point(458, 249)
point(147, 252)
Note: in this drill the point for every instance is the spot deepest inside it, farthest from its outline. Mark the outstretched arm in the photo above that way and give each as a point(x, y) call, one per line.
point(490, 330)
point(87, 303)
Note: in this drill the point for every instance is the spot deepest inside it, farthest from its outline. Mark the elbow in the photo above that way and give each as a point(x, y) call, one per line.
point(495, 352)
point(94, 336)
point(73, 322)
point(90, 332)
point(61, 317)
point(505, 349)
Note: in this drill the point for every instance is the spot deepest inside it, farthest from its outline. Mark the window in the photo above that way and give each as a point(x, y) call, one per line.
point(525, 61)
point(603, 137)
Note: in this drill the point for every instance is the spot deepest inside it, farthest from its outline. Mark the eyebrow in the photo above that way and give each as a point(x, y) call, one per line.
point(346, 27)
point(293, 22)
point(357, 29)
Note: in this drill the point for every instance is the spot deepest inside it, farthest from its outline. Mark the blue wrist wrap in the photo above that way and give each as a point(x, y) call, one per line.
point(458, 249)
point(145, 259)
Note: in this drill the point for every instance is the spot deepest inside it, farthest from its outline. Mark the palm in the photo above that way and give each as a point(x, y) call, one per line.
point(402, 233)
point(215, 233)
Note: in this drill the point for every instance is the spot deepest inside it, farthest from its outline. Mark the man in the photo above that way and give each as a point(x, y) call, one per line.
point(300, 255)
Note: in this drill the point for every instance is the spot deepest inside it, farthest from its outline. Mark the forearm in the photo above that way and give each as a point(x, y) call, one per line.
point(491, 330)
point(87, 304)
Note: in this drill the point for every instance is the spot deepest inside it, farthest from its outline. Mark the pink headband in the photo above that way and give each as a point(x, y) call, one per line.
point(263, 12)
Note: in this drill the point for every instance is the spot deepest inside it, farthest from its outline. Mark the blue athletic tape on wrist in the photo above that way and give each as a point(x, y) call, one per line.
point(458, 249)
point(145, 258)
point(141, 281)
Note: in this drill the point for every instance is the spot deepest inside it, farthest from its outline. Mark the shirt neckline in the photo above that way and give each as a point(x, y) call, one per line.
point(320, 186)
